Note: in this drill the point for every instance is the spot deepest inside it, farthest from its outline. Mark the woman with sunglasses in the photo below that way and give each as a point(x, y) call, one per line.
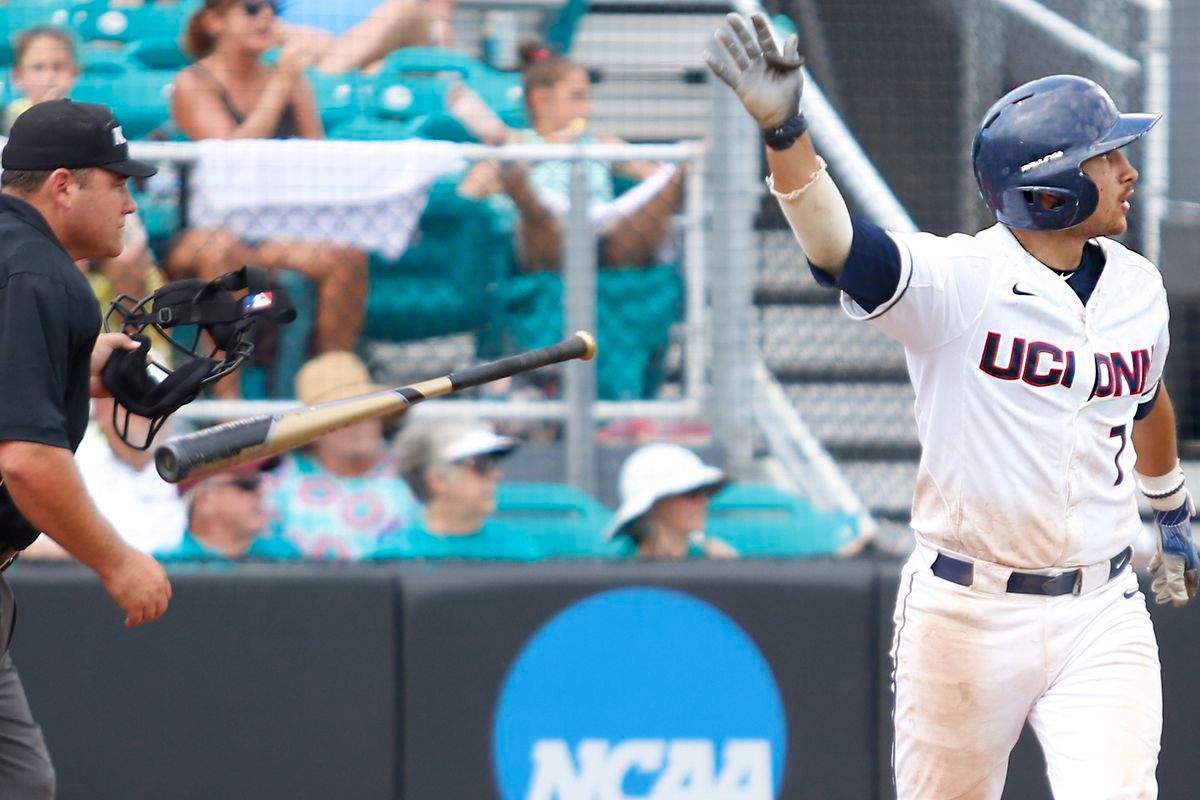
point(231, 93)
point(665, 491)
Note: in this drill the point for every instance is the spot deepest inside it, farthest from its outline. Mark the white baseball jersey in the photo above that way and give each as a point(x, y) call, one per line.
point(1025, 397)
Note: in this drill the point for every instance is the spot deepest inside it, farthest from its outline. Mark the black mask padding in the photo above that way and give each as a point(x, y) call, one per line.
point(132, 387)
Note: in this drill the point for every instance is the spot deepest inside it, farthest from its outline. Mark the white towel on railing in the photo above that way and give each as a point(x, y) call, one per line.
point(365, 194)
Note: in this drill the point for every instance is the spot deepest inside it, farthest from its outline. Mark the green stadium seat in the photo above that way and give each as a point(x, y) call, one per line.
point(363, 127)
point(139, 98)
point(760, 520)
point(103, 59)
point(99, 21)
point(559, 32)
point(636, 307)
point(446, 281)
point(338, 97)
point(429, 72)
point(17, 15)
point(158, 52)
point(408, 96)
point(566, 521)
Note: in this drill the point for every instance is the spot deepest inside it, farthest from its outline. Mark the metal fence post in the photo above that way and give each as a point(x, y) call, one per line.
point(733, 186)
point(579, 304)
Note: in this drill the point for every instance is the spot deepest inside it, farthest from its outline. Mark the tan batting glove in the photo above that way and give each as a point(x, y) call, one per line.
point(769, 83)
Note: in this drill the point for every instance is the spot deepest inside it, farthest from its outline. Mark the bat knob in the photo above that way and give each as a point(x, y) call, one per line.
point(166, 464)
point(589, 343)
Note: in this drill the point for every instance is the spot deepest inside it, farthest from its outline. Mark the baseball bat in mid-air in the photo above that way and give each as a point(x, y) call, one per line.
point(222, 446)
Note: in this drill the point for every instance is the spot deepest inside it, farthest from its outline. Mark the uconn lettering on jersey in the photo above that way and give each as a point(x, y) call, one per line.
point(1043, 364)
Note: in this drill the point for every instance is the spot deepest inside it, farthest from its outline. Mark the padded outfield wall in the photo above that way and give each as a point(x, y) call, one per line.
point(740, 680)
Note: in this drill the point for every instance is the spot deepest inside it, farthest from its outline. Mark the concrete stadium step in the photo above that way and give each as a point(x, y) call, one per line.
point(844, 415)
point(783, 276)
point(651, 83)
point(886, 487)
point(400, 363)
point(822, 341)
point(647, 41)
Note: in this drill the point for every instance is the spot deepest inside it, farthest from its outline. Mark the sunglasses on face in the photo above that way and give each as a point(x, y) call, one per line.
point(481, 465)
point(252, 7)
point(246, 483)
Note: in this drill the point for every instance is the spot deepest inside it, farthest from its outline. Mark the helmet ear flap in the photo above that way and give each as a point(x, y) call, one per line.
point(1024, 205)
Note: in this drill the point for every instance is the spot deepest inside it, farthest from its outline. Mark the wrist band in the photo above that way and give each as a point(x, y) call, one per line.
point(784, 136)
point(1164, 492)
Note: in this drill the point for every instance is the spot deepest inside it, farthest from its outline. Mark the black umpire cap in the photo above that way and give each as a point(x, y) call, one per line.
point(70, 135)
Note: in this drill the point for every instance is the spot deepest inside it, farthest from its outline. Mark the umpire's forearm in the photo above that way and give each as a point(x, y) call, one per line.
point(45, 484)
point(1154, 438)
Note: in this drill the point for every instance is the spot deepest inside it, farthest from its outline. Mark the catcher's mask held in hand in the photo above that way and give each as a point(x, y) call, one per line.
point(209, 333)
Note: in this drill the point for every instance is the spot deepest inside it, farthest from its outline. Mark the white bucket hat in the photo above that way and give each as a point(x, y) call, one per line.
point(654, 472)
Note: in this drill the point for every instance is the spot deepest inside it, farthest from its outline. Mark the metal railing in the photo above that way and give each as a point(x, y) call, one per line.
point(579, 409)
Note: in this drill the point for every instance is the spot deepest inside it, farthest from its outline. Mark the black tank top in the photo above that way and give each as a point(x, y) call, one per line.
point(286, 128)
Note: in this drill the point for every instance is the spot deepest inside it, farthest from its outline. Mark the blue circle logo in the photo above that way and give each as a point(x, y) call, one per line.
point(639, 693)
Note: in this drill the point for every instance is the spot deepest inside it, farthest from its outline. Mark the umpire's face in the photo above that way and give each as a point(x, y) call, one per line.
point(99, 204)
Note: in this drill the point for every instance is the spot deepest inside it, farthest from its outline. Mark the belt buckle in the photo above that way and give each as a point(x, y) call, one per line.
point(1092, 577)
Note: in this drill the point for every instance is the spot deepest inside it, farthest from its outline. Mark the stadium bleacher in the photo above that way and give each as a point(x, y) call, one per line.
point(457, 279)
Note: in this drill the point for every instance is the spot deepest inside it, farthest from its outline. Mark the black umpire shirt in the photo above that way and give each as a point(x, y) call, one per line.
point(49, 320)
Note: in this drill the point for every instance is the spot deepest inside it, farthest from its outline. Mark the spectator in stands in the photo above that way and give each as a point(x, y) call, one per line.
point(227, 521)
point(337, 498)
point(632, 226)
point(231, 93)
point(147, 511)
point(665, 491)
point(454, 469)
point(45, 67)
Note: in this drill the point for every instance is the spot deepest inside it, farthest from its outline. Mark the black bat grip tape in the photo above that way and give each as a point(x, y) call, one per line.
point(575, 347)
point(182, 455)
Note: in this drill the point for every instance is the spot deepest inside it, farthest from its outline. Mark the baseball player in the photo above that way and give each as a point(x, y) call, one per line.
point(1036, 349)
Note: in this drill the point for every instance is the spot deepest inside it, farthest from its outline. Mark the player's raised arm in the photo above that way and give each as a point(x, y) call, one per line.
point(769, 83)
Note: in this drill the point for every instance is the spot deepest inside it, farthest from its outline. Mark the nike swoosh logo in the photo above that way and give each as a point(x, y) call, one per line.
point(1130, 593)
point(1017, 290)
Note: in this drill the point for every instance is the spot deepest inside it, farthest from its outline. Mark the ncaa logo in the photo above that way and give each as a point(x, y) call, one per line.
point(639, 693)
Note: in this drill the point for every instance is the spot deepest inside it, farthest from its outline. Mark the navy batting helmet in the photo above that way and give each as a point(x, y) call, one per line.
point(1032, 142)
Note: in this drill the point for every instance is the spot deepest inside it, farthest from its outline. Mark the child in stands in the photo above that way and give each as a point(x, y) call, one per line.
point(632, 226)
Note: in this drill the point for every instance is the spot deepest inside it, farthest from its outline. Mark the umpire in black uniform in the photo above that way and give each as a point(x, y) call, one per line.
point(63, 197)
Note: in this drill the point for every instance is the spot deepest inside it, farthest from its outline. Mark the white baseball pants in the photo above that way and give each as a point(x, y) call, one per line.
point(971, 666)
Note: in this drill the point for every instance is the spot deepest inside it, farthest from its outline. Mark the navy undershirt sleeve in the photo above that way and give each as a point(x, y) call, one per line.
point(872, 271)
point(1144, 409)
